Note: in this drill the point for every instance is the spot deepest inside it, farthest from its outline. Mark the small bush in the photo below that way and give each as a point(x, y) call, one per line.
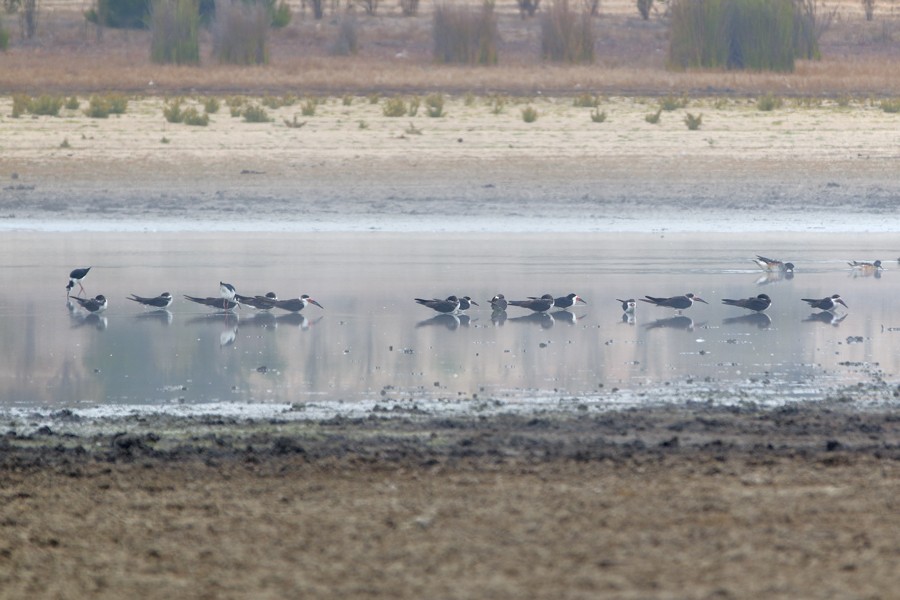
point(347, 100)
point(597, 116)
point(586, 101)
point(240, 33)
point(175, 25)
point(118, 103)
point(72, 103)
point(768, 103)
point(20, 105)
point(363, 125)
point(65, 143)
point(192, 116)
point(281, 15)
point(374, 97)
point(46, 105)
point(347, 41)
point(434, 106)
point(255, 114)
point(172, 111)
point(394, 107)
point(693, 122)
point(469, 99)
point(98, 107)
point(465, 36)
point(670, 103)
point(891, 106)
point(529, 114)
point(567, 35)
point(211, 105)
point(309, 107)
point(414, 104)
point(653, 118)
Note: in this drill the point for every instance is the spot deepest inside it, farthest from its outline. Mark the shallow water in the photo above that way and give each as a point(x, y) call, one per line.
point(373, 343)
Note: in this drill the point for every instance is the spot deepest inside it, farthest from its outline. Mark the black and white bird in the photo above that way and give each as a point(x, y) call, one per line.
point(866, 267)
point(771, 264)
point(266, 302)
point(568, 301)
point(75, 277)
point(758, 304)
point(627, 305)
point(828, 303)
point(161, 301)
point(220, 303)
point(466, 302)
point(296, 304)
point(676, 302)
point(92, 305)
point(227, 290)
point(499, 302)
point(542, 304)
point(449, 305)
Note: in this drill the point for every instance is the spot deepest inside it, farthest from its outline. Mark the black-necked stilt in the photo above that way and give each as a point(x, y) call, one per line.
point(770, 264)
point(227, 290)
point(93, 305)
point(758, 304)
point(627, 305)
point(676, 302)
point(266, 302)
point(499, 302)
point(220, 303)
point(161, 301)
point(75, 277)
point(451, 304)
point(296, 304)
point(827, 303)
point(542, 304)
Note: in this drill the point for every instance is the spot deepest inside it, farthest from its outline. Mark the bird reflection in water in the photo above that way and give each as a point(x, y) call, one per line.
point(564, 316)
point(498, 318)
point(827, 317)
point(228, 337)
point(760, 320)
point(451, 321)
point(162, 316)
point(628, 318)
point(679, 322)
point(774, 277)
point(80, 319)
point(298, 320)
point(541, 318)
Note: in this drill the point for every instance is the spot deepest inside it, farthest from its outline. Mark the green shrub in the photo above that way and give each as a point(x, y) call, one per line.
point(20, 105)
point(670, 103)
point(211, 105)
point(118, 103)
point(891, 106)
point(740, 34)
point(465, 36)
point(768, 103)
point(529, 114)
point(567, 35)
point(693, 122)
point(98, 107)
point(240, 33)
point(272, 102)
point(309, 107)
point(347, 100)
point(172, 111)
point(374, 97)
point(281, 15)
point(653, 118)
point(434, 105)
point(174, 25)
point(255, 114)
point(469, 99)
point(192, 116)
point(394, 107)
point(46, 104)
point(597, 116)
point(72, 103)
point(586, 100)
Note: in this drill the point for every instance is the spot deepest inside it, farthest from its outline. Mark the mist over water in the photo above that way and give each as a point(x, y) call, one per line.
point(373, 342)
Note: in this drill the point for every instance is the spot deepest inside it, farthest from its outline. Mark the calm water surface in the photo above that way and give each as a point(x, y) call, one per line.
point(372, 342)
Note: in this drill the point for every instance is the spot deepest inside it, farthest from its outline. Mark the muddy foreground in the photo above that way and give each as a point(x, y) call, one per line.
point(687, 502)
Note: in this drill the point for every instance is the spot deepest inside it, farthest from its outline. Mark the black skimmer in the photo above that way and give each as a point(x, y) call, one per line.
point(92, 305)
point(627, 305)
point(75, 277)
point(466, 302)
point(227, 291)
point(499, 302)
point(758, 304)
point(451, 304)
point(770, 264)
point(220, 303)
point(676, 302)
point(161, 301)
point(266, 302)
point(296, 304)
point(568, 301)
point(542, 304)
point(866, 267)
point(828, 303)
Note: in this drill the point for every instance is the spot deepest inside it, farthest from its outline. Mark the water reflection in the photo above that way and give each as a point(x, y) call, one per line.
point(129, 354)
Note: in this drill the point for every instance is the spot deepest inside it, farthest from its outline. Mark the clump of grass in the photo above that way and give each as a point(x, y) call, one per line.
point(211, 105)
point(240, 33)
point(567, 35)
point(890, 105)
point(769, 103)
point(414, 104)
point(843, 101)
point(309, 107)
point(172, 111)
point(164, 140)
point(235, 105)
point(670, 103)
point(597, 116)
point(98, 107)
point(363, 124)
point(347, 100)
point(693, 122)
point(294, 124)
point(65, 143)
point(465, 36)
point(118, 103)
point(255, 114)
point(46, 105)
point(434, 105)
point(174, 25)
point(281, 15)
point(72, 103)
point(469, 99)
point(394, 107)
point(192, 116)
point(374, 97)
point(586, 100)
point(20, 105)
point(653, 118)
point(529, 114)
point(273, 102)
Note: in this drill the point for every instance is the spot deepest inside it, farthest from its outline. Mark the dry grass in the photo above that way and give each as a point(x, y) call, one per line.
point(395, 57)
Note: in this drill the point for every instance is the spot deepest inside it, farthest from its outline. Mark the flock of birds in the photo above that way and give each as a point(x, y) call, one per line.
point(229, 299)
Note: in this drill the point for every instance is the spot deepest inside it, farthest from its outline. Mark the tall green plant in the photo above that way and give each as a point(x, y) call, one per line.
point(174, 25)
